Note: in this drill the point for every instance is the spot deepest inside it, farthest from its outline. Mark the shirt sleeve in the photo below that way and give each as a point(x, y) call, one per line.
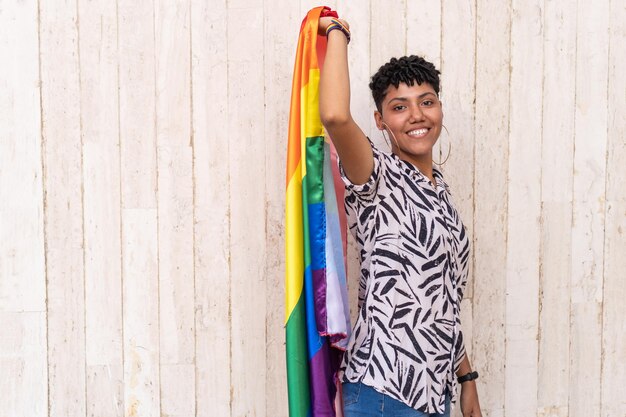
point(459, 351)
point(367, 190)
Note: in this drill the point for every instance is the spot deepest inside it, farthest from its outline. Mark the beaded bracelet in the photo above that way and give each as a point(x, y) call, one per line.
point(335, 24)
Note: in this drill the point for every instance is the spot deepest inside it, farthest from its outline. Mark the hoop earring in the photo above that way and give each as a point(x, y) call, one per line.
point(449, 149)
point(382, 132)
point(390, 133)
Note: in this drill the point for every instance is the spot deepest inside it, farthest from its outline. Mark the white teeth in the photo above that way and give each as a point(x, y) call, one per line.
point(418, 132)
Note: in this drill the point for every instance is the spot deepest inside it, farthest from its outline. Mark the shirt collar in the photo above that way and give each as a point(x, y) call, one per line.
point(415, 173)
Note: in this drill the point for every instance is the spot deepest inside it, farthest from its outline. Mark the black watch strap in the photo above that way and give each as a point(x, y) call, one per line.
point(468, 377)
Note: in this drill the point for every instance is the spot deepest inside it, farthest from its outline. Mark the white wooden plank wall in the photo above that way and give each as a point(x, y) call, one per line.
point(524, 209)
point(490, 198)
point(23, 342)
point(142, 164)
point(64, 236)
point(139, 216)
point(102, 207)
point(613, 370)
point(556, 216)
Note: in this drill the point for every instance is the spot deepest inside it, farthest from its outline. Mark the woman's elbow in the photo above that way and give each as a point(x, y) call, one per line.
point(333, 119)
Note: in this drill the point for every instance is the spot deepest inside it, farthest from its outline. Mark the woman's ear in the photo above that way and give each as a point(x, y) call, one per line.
point(378, 117)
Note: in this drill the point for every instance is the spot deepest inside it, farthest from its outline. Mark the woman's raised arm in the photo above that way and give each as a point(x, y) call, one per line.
point(353, 148)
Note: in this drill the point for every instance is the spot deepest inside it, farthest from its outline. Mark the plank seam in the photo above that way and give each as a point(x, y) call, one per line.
point(506, 199)
point(473, 341)
point(541, 208)
point(82, 196)
point(230, 288)
point(606, 202)
point(570, 347)
point(406, 27)
point(156, 195)
point(43, 191)
point(541, 205)
point(266, 209)
point(121, 217)
point(193, 210)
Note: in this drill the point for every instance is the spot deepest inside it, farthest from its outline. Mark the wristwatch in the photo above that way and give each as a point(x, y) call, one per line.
point(468, 377)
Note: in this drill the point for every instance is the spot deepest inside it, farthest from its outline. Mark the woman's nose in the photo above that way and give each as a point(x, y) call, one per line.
point(416, 114)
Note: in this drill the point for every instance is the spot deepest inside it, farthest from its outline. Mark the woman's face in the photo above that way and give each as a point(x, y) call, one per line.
point(414, 116)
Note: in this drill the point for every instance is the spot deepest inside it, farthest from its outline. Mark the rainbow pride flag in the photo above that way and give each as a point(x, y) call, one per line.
point(318, 319)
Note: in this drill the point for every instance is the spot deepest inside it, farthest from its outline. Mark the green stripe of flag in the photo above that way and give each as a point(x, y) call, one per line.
point(298, 362)
point(314, 179)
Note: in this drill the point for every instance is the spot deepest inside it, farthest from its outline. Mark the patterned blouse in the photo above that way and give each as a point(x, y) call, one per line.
point(414, 255)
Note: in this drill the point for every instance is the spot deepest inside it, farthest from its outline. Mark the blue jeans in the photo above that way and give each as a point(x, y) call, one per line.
point(360, 400)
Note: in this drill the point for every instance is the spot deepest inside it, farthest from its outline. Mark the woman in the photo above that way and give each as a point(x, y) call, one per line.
point(406, 354)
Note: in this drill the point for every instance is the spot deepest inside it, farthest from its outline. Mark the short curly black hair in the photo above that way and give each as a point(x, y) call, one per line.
point(407, 69)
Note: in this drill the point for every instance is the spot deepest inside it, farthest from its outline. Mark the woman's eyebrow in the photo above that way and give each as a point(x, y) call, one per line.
point(406, 99)
point(399, 99)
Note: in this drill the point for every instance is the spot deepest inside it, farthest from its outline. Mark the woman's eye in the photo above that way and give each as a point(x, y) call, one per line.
point(397, 108)
point(427, 103)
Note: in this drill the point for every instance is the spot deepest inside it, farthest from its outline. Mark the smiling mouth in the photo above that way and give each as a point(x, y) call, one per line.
point(418, 133)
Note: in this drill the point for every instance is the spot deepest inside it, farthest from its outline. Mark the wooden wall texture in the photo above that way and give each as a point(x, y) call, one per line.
point(142, 165)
